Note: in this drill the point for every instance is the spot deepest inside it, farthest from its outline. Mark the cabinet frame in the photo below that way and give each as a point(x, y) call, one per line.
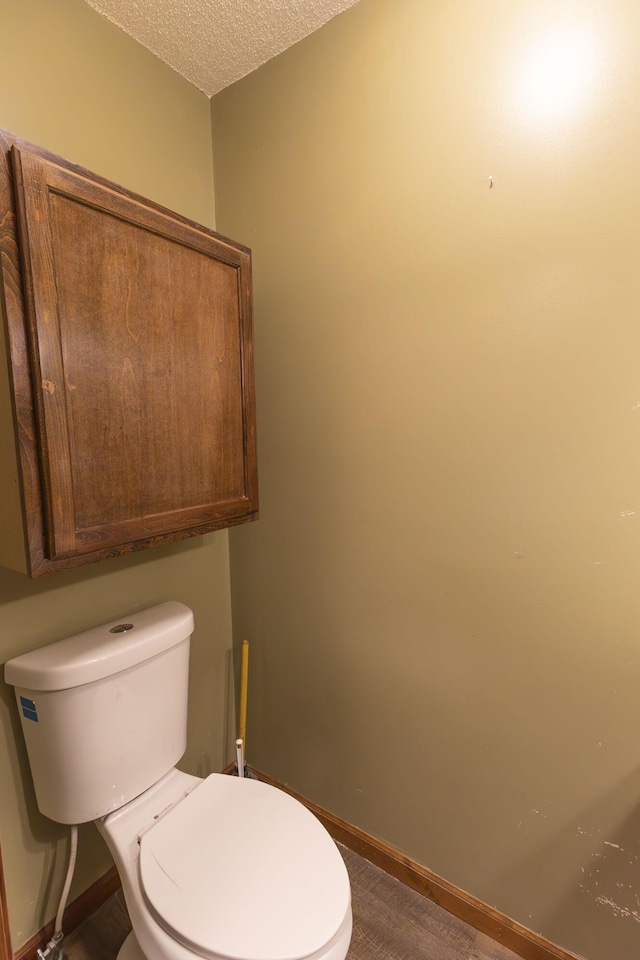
point(48, 545)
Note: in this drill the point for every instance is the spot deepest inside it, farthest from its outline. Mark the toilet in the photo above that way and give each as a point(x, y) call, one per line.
point(226, 868)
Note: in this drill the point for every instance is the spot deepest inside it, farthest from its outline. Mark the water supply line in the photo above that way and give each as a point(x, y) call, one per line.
point(53, 951)
point(240, 757)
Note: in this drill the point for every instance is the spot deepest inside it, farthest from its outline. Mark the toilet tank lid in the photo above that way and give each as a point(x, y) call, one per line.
point(97, 653)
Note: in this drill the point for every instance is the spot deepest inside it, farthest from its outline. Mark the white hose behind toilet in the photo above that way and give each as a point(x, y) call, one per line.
point(224, 867)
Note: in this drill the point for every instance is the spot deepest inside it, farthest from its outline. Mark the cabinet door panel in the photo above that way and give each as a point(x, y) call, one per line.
point(139, 335)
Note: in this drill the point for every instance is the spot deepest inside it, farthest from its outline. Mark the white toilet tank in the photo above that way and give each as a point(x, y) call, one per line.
point(104, 713)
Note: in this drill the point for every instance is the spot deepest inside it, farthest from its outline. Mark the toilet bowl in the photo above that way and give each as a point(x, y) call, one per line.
point(228, 868)
point(222, 868)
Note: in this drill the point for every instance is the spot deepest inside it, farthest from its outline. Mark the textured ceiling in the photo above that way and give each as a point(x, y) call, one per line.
point(214, 42)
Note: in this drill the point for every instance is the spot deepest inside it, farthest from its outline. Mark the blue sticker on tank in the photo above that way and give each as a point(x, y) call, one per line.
point(29, 709)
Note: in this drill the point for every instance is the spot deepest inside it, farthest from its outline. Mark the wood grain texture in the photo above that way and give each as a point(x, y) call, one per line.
point(486, 919)
point(486, 948)
point(130, 334)
point(5, 940)
point(19, 377)
point(390, 920)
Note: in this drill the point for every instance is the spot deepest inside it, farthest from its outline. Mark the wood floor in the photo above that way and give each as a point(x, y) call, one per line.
point(390, 922)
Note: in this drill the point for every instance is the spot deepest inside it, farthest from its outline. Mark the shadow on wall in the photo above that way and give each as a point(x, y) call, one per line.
point(607, 871)
point(17, 586)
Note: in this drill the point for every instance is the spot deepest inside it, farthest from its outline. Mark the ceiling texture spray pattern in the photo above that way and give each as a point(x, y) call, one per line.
point(212, 43)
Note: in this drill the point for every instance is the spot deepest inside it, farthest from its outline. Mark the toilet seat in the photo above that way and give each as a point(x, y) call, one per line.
point(241, 870)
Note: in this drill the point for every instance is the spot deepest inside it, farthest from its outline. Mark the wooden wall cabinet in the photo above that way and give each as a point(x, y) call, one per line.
point(128, 416)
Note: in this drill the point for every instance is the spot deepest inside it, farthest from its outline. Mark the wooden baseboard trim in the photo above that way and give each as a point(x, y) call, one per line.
point(81, 908)
point(5, 940)
point(524, 942)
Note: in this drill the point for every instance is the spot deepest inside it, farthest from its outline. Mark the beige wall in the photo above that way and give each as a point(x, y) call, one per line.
point(442, 591)
point(72, 82)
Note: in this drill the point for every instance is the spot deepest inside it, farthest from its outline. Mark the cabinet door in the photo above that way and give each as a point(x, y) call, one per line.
point(140, 354)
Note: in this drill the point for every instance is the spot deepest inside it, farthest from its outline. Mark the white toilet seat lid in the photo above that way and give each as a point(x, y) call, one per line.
point(239, 869)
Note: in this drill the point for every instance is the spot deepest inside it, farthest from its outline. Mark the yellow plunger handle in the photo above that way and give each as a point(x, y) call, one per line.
point(244, 681)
